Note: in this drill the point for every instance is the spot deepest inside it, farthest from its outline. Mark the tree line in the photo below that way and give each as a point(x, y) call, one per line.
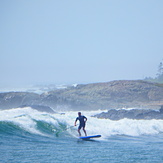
point(159, 75)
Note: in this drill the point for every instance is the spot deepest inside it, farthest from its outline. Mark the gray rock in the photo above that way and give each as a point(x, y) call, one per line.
point(131, 114)
point(15, 99)
point(115, 94)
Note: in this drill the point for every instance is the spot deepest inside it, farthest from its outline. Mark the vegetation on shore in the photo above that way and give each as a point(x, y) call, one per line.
point(159, 75)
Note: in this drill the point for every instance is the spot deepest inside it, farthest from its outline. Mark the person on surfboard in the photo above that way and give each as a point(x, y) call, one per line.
point(82, 119)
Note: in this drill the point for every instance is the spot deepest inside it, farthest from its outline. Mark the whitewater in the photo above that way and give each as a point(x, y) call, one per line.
point(27, 135)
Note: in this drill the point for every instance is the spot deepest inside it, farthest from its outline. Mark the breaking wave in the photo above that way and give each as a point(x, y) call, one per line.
point(24, 121)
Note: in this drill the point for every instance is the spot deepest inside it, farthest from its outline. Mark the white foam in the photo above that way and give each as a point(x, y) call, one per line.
point(27, 117)
point(107, 127)
point(24, 118)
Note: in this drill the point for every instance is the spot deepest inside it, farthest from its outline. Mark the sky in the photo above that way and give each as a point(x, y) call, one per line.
point(79, 41)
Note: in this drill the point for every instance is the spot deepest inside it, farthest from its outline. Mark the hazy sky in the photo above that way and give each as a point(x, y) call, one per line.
point(79, 41)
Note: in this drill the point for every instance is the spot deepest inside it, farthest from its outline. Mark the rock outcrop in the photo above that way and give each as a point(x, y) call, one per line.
point(115, 94)
point(138, 114)
point(16, 99)
point(109, 95)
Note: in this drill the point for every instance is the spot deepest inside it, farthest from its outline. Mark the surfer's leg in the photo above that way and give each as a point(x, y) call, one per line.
point(79, 132)
point(84, 131)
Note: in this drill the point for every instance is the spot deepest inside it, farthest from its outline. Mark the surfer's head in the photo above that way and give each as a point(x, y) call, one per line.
point(79, 113)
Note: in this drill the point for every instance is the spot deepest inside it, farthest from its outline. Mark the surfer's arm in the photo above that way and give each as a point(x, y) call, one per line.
point(85, 119)
point(75, 121)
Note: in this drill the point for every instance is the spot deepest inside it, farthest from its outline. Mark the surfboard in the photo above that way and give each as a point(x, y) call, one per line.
point(89, 137)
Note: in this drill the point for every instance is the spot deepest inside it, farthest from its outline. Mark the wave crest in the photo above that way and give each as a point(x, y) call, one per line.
point(29, 121)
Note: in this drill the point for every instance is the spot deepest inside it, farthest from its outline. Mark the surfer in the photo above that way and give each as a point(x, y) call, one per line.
point(82, 119)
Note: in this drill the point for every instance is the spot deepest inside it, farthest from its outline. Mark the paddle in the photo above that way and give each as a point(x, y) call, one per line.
point(58, 132)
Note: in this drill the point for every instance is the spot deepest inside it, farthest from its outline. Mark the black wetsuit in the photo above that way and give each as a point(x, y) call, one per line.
point(81, 120)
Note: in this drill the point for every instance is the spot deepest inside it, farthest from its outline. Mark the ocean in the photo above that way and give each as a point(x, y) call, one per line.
point(27, 135)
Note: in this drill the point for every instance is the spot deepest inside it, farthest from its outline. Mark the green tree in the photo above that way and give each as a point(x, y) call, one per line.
point(160, 73)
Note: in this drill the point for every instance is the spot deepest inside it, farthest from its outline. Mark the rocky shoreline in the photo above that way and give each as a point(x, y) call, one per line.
point(137, 114)
point(108, 95)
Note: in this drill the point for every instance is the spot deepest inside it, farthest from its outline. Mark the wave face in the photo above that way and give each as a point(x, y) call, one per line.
point(27, 121)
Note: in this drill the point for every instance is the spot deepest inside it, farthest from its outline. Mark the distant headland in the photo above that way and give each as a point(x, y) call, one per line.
point(106, 95)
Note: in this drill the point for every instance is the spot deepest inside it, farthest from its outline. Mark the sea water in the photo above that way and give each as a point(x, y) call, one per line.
point(27, 135)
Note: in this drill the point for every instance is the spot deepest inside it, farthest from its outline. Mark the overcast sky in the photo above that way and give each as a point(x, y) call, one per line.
point(79, 41)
